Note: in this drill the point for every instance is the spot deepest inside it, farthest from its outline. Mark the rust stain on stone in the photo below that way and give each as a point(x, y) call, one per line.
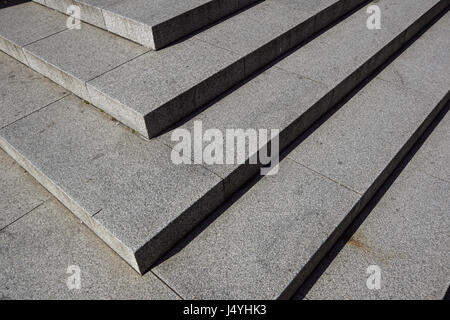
point(360, 244)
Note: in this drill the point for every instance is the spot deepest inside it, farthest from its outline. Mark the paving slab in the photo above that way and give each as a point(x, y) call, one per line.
point(38, 249)
point(154, 23)
point(157, 89)
point(23, 91)
point(73, 57)
point(124, 188)
point(25, 23)
point(20, 192)
point(355, 150)
point(406, 234)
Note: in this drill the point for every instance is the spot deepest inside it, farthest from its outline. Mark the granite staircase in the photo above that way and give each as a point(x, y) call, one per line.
point(91, 112)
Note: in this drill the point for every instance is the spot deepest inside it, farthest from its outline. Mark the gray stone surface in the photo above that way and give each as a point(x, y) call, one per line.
point(167, 84)
point(152, 23)
point(89, 13)
point(154, 12)
point(250, 30)
point(273, 100)
point(259, 244)
point(435, 162)
point(273, 27)
point(264, 247)
point(406, 235)
point(20, 192)
point(157, 23)
point(72, 57)
point(355, 145)
point(38, 249)
point(33, 22)
point(385, 114)
point(124, 188)
point(197, 70)
point(254, 28)
point(288, 101)
point(408, 70)
point(92, 154)
point(25, 23)
point(154, 91)
point(23, 91)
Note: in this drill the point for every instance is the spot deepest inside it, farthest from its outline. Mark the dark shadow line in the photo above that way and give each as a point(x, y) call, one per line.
point(212, 24)
point(447, 294)
point(10, 3)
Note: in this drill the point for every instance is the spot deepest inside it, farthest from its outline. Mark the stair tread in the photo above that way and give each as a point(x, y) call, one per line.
point(31, 23)
point(150, 91)
point(20, 193)
point(266, 242)
point(82, 54)
point(407, 227)
point(24, 92)
point(332, 56)
point(46, 234)
point(154, 23)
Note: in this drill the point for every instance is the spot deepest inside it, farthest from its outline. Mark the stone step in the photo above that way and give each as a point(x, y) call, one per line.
point(122, 187)
point(404, 233)
point(105, 174)
point(151, 23)
point(151, 90)
point(265, 242)
point(40, 240)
